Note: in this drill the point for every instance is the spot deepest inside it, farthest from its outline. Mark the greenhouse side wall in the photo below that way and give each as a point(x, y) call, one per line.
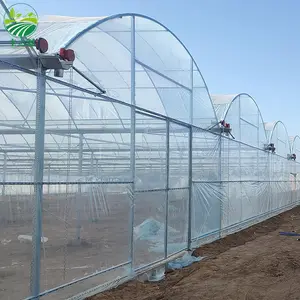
point(190, 187)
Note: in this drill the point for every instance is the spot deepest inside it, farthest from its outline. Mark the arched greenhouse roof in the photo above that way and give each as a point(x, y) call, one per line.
point(167, 78)
point(243, 114)
point(295, 149)
point(295, 145)
point(278, 135)
point(167, 81)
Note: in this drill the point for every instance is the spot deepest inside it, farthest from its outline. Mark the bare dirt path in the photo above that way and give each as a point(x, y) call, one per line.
point(256, 263)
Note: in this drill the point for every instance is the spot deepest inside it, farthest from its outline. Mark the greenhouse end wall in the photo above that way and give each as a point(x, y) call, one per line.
point(131, 178)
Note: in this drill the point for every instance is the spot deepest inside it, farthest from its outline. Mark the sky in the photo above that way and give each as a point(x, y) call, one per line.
point(240, 46)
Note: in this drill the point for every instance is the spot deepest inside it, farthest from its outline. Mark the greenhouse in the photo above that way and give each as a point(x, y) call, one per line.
point(127, 160)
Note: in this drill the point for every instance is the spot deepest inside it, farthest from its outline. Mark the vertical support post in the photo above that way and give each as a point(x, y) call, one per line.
point(296, 184)
point(4, 173)
point(192, 95)
point(240, 164)
point(80, 157)
point(258, 145)
point(260, 203)
point(167, 185)
point(78, 197)
point(94, 191)
point(292, 169)
point(189, 246)
point(59, 192)
point(91, 188)
point(220, 182)
point(49, 178)
point(132, 144)
point(293, 193)
point(38, 182)
point(92, 164)
point(97, 169)
point(270, 182)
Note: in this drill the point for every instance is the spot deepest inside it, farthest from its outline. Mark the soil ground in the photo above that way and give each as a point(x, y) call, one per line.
point(256, 263)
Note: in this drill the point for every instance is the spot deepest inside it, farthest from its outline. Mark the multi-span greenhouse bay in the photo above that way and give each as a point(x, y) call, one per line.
point(97, 187)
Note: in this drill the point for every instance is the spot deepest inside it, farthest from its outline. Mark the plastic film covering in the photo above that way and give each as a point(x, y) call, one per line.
point(221, 104)
point(295, 145)
point(279, 137)
point(178, 186)
point(207, 190)
point(244, 117)
point(88, 183)
point(161, 72)
point(245, 193)
point(150, 190)
point(17, 189)
point(134, 179)
point(295, 149)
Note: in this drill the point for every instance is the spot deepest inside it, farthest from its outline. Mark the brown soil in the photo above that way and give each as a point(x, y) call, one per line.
point(256, 263)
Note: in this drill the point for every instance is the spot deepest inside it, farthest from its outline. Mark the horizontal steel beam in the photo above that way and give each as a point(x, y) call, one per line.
point(199, 151)
point(145, 66)
point(49, 61)
point(138, 149)
point(89, 130)
point(11, 65)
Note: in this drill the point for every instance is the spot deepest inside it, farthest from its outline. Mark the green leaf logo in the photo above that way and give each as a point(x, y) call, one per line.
point(22, 20)
point(12, 13)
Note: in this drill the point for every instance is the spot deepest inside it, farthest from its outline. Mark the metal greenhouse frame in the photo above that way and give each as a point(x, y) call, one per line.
point(125, 162)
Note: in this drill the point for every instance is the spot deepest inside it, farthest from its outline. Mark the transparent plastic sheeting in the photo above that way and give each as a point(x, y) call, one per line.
point(167, 79)
point(88, 225)
point(125, 188)
point(244, 117)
